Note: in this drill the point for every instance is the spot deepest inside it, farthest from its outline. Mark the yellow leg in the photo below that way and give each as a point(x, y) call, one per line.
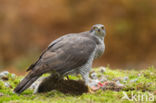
point(90, 90)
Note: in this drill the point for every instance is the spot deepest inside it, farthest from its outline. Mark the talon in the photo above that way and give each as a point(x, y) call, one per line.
point(91, 90)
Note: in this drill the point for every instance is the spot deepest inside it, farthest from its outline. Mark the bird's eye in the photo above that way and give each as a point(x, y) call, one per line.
point(102, 27)
point(94, 27)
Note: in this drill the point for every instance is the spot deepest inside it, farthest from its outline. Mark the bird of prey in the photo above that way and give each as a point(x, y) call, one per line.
point(69, 54)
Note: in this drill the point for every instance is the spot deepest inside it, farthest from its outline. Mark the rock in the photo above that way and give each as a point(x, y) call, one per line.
point(119, 84)
point(125, 78)
point(102, 69)
point(93, 75)
point(133, 80)
point(7, 85)
point(4, 73)
point(13, 76)
point(1, 75)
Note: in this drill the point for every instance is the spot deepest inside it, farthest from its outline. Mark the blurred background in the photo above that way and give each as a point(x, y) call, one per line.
point(28, 26)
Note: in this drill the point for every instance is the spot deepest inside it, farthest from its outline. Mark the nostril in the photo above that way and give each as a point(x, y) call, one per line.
point(98, 30)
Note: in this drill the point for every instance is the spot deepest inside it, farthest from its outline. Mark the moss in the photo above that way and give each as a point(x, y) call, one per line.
point(146, 83)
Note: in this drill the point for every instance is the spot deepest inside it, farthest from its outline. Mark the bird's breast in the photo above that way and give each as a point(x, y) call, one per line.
point(99, 50)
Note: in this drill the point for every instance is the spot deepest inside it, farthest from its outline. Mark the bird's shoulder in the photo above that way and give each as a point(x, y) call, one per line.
point(79, 39)
point(67, 37)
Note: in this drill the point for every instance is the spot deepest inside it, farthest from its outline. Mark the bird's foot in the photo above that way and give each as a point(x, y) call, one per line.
point(90, 89)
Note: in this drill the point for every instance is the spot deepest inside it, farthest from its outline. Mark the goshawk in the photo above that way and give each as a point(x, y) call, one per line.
point(69, 54)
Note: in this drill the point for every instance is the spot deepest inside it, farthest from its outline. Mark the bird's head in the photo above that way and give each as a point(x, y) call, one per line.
point(98, 30)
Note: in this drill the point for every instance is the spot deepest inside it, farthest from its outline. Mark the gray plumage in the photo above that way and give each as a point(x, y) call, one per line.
point(72, 53)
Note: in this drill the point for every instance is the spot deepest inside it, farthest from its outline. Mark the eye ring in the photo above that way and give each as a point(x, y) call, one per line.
point(94, 27)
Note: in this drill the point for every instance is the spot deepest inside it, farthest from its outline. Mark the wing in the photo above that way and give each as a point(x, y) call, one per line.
point(50, 45)
point(64, 55)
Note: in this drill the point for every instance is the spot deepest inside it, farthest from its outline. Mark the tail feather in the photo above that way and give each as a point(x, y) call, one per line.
point(25, 83)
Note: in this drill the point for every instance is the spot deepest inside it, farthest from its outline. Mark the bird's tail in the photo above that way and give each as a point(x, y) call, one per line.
point(25, 83)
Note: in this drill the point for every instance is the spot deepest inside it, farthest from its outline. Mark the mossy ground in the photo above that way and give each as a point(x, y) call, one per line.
point(146, 83)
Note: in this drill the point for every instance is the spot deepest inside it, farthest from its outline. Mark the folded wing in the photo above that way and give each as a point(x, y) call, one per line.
point(64, 55)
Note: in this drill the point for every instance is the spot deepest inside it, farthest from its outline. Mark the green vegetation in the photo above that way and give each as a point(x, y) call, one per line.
point(145, 83)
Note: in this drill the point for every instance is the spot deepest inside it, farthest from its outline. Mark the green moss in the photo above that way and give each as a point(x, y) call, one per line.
point(146, 83)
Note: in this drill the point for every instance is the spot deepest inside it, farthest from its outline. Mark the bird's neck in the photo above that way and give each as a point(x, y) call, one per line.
point(100, 46)
point(100, 38)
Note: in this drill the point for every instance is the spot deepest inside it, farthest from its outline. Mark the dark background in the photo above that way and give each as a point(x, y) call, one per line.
point(28, 26)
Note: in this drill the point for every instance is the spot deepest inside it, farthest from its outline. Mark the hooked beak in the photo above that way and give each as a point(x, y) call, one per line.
point(99, 30)
point(103, 32)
